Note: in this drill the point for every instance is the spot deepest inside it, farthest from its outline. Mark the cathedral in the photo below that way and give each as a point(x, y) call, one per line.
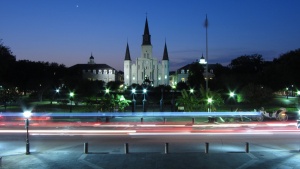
point(146, 69)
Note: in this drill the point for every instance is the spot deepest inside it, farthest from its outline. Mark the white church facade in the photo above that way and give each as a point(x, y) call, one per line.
point(146, 69)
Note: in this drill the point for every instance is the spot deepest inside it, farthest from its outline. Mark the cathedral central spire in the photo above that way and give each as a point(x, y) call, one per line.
point(146, 36)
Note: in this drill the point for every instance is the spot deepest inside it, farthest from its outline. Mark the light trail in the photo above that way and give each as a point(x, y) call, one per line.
point(151, 124)
point(136, 114)
point(195, 134)
point(74, 132)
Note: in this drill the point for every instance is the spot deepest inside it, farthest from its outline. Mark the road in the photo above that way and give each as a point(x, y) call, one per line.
point(61, 145)
point(150, 137)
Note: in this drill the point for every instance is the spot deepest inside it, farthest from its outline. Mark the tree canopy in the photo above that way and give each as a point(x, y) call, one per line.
point(195, 75)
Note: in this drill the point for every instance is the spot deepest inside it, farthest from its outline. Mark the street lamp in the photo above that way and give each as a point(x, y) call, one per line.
point(231, 95)
point(133, 100)
point(107, 91)
point(144, 101)
point(56, 92)
point(27, 115)
point(209, 100)
point(71, 99)
point(204, 62)
point(192, 91)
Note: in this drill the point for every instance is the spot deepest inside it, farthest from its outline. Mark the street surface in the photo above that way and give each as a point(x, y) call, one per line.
point(60, 144)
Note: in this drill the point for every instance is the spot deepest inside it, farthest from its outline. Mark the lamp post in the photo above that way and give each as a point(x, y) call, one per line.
point(56, 92)
point(144, 100)
point(27, 115)
point(107, 93)
point(231, 95)
point(133, 100)
point(209, 100)
point(204, 62)
point(71, 99)
point(162, 100)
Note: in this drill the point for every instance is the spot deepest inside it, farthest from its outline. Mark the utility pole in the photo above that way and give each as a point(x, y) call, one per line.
point(206, 26)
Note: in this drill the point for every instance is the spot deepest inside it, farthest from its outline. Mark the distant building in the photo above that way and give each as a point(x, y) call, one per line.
point(181, 74)
point(146, 69)
point(93, 71)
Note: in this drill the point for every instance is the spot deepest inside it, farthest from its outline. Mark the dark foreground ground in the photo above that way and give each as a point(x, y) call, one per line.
point(227, 160)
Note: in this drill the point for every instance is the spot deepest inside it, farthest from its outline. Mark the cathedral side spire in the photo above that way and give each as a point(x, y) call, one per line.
point(165, 56)
point(146, 36)
point(127, 54)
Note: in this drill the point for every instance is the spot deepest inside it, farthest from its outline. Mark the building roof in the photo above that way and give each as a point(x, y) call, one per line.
point(186, 67)
point(91, 66)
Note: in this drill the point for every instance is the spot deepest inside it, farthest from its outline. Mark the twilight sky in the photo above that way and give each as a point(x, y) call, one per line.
point(68, 31)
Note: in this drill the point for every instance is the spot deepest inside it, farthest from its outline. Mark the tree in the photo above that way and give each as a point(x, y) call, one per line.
point(198, 101)
point(181, 85)
point(283, 71)
point(195, 75)
point(190, 102)
point(7, 61)
point(113, 85)
point(247, 64)
point(256, 94)
point(215, 96)
point(120, 102)
point(246, 69)
point(222, 79)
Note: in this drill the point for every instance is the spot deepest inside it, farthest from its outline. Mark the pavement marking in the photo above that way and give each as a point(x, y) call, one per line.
point(81, 159)
point(250, 162)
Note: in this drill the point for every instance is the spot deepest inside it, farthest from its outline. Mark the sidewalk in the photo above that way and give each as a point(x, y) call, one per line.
point(226, 160)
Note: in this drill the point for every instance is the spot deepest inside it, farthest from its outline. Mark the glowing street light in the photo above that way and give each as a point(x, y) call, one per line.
point(56, 92)
point(71, 99)
point(209, 100)
point(27, 115)
point(133, 100)
point(107, 91)
point(192, 91)
point(231, 95)
point(144, 101)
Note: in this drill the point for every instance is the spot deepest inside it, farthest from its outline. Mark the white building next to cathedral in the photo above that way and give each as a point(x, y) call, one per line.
point(146, 69)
